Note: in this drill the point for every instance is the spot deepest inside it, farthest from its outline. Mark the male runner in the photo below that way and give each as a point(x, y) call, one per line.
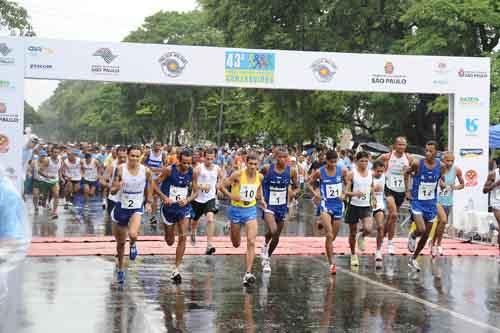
point(133, 182)
point(359, 186)
point(492, 186)
point(176, 183)
point(206, 177)
point(72, 174)
point(155, 161)
point(425, 174)
point(90, 169)
point(277, 189)
point(379, 210)
point(445, 199)
point(245, 190)
point(396, 163)
point(109, 175)
point(332, 179)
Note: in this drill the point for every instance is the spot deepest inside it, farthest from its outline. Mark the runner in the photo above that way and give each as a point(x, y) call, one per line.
point(90, 169)
point(445, 200)
point(359, 185)
point(379, 211)
point(206, 177)
point(245, 190)
point(425, 175)
point(176, 182)
point(396, 163)
point(330, 196)
point(277, 189)
point(492, 186)
point(132, 182)
point(155, 160)
point(109, 175)
point(72, 173)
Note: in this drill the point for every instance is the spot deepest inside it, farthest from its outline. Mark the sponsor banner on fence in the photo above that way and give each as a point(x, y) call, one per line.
point(11, 107)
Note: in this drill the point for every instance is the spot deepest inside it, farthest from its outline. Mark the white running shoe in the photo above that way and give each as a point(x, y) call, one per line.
point(412, 243)
point(360, 240)
point(264, 252)
point(440, 250)
point(412, 263)
point(176, 277)
point(248, 279)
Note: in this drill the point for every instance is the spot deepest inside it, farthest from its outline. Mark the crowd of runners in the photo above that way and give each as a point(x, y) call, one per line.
point(177, 186)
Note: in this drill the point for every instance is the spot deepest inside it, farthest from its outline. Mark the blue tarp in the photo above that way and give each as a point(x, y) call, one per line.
point(495, 137)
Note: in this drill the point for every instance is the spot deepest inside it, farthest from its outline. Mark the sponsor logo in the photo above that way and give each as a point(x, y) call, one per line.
point(441, 70)
point(105, 69)
point(462, 73)
point(4, 84)
point(41, 66)
point(471, 178)
point(39, 50)
point(249, 67)
point(5, 51)
point(4, 144)
point(469, 101)
point(471, 126)
point(471, 152)
point(324, 69)
point(172, 64)
point(5, 117)
point(390, 76)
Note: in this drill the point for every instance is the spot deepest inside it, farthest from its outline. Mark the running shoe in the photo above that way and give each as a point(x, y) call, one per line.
point(434, 251)
point(412, 263)
point(266, 265)
point(354, 260)
point(360, 239)
point(120, 277)
point(248, 279)
point(133, 251)
point(176, 277)
point(153, 220)
point(440, 250)
point(412, 243)
point(390, 248)
point(210, 250)
point(66, 206)
point(193, 239)
point(378, 259)
point(333, 269)
point(55, 216)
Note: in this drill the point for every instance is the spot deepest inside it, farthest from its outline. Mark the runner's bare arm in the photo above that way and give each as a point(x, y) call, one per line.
point(460, 178)
point(310, 184)
point(231, 180)
point(490, 183)
point(117, 181)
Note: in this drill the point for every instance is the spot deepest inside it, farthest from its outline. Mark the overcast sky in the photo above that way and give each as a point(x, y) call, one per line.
point(99, 20)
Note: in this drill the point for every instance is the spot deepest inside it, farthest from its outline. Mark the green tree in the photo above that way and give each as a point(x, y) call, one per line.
point(14, 18)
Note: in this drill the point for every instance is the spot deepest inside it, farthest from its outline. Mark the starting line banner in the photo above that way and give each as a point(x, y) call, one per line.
point(466, 79)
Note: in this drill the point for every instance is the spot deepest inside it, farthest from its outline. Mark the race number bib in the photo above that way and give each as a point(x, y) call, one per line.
point(204, 188)
point(426, 191)
point(333, 191)
point(248, 192)
point(397, 182)
point(444, 192)
point(131, 200)
point(178, 193)
point(277, 198)
point(91, 174)
point(301, 179)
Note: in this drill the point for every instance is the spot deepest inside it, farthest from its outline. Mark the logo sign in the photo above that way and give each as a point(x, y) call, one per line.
point(5, 117)
point(172, 64)
point(324, 69)
point(469, 101)
point(441, 70)
point(471, 178)
point(4, 84)
point(390, 76)
point(39, 50)
point(471, 152)
point(108, 57)
point(41, 66)
point(462, 73)
point(471, 126)
point(249, 67)
point(5, 51)
point(4, 144)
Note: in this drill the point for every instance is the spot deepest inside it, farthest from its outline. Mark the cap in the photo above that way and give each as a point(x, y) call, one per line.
point(43, 153)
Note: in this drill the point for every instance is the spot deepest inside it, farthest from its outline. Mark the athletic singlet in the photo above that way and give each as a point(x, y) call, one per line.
point(90, 171)
point(495, 193)
point(379, 195)
point(425, 183)
point(446, 193)
point(53, 170)
point(246, 190)
point(154, 161)
point(74, 170)
point(331, 188)
point(275, 187)
point(395, 172)
point(361, 184)
point(177, 185)
point(132, 191)
point(207, 177)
